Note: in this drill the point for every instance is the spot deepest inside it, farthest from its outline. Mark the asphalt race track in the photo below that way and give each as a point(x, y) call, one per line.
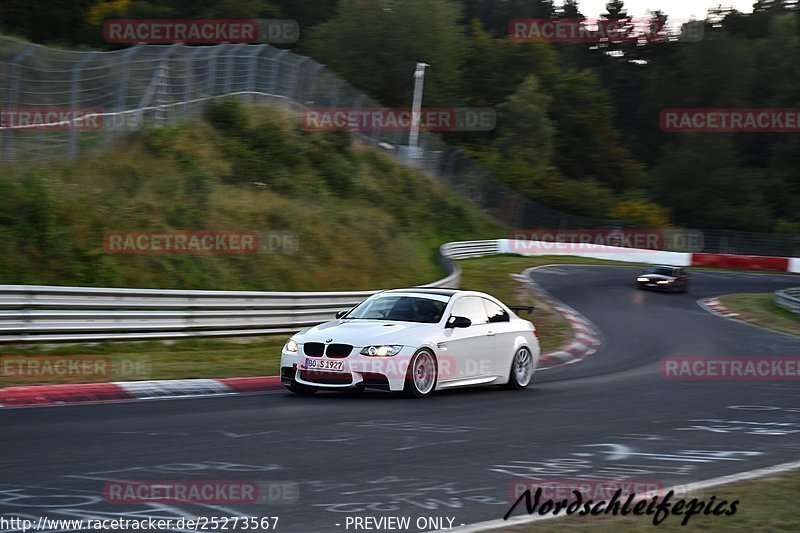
point(454, 455)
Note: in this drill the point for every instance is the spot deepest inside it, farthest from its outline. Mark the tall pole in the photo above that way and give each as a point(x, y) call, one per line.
point(413, 136)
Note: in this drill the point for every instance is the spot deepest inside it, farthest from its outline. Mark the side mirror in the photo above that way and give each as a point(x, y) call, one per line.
point(340, 314)
point(458, 322)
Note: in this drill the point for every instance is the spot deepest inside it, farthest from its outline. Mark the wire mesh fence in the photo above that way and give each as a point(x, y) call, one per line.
point(62, 103)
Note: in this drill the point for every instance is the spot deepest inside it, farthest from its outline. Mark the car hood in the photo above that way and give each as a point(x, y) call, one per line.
point(369, 332)
point(657, 277)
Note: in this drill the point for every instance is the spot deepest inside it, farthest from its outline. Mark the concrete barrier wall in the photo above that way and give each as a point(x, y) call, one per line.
point(594, 251)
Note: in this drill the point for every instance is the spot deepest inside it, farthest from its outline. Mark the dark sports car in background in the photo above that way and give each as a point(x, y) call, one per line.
point(664, 278)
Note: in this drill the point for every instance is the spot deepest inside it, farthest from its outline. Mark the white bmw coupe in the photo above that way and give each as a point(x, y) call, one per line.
point(415, 341)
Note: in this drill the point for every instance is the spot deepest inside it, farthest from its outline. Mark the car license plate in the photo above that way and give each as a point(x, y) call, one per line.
point(324, 364)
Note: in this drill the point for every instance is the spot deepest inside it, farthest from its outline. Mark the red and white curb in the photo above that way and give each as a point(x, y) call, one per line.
point(586, 337)
point(714, 306)
point(33, 395)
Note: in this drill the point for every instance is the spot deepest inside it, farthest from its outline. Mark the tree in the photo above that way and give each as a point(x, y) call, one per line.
point(526, 132)
point(44, 21)
point(570, 10)
point(493, 68)
point(587, 144)
point(375, 44)
point(496, 15)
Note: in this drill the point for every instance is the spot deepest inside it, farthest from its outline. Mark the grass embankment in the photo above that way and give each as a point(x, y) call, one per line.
point(764, 505)
point(760, 309)
point(361, 220)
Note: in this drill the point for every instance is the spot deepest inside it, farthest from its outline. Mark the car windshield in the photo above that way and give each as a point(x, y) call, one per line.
point(663, 271)
point(403, 308)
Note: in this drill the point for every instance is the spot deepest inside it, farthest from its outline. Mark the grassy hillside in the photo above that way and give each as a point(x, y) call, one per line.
point(362, 221)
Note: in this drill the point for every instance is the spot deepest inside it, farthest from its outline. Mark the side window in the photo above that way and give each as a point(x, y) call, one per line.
point(494, 312)
point(472, 308)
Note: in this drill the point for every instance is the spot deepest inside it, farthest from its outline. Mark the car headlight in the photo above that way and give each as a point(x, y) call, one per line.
point(642, 279)
point(664, 282)
point(291, 346)
point(381, 350)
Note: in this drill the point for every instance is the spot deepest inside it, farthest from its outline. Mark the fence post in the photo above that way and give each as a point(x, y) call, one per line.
point(13, 95)
point(276, 68)
point(230, 57)
point(335, 92)
point(296, 78)
point(75, 82)
point(212, 68)
point(122, 87)
point(188, 89)
point(308, 96)
point(253, 70)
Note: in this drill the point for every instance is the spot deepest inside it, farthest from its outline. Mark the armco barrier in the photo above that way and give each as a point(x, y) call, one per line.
point(32, 313)
point(743, 262)
point(84, 314)
point(789, 299)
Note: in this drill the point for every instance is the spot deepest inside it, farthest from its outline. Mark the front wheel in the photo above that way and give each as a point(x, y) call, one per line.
point(421, 375)
point(300, 389)
point(521, 369)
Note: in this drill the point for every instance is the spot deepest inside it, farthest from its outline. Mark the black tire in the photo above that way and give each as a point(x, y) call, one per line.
point(412, 387)
point(515, 380)
point(301, 390)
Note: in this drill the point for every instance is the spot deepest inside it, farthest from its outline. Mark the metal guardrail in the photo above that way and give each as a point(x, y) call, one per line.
point(789, 299)
point(32, 313)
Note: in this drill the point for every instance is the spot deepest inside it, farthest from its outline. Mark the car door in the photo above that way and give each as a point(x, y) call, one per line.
point(468, 349)
point(684, 278)
point(501, 350)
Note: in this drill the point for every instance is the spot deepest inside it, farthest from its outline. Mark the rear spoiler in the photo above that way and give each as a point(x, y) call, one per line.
point(518, 308)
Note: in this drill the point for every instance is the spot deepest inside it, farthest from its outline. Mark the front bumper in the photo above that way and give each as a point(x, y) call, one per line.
point(359, 371)
point(652, 285)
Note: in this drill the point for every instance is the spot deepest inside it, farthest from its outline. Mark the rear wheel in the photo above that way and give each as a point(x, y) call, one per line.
point(302, 390)
point(421, 375)
point(521, 369)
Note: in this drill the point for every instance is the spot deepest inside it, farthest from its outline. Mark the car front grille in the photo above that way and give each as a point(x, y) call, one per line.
point(313, 349)
point(334, 351)
point(338, 351)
